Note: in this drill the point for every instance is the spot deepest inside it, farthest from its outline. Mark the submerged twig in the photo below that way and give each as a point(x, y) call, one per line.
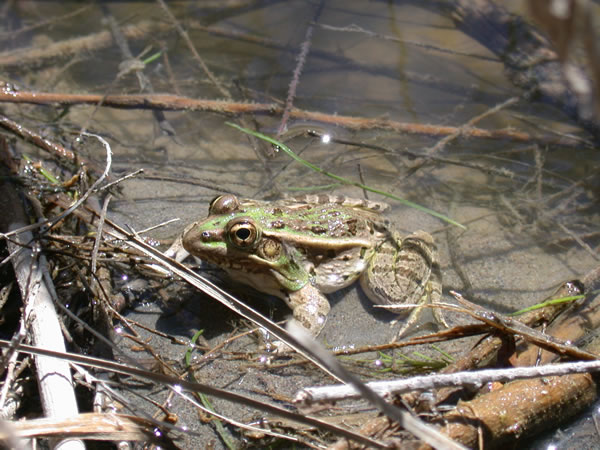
point(31, 136)
point(129, 64)
point(354, 28)
point(12, 34)
point(304, 48)
point(174, 102)
point(192, 48)
point(464, 128)
point(56, 51)
point(580, 241)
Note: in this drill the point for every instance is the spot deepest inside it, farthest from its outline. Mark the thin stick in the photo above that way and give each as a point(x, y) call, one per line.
point(52, 53)
point(464, 128)
point(12, 34)
point(304, 48)
point(119, 180)
point(476, 379)
point(99, 232)
point(176, 103)
point(28, 135)
point(192, 48)
point(353, 28)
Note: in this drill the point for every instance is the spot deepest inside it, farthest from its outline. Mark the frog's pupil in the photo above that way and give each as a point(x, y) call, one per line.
point(243, 233)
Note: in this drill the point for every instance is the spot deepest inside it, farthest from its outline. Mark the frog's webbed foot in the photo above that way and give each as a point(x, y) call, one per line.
point(176, 250)
point(431, 295)
point(405, 271)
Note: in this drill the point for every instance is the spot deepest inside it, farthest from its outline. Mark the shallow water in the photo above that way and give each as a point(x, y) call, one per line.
point(522, 202)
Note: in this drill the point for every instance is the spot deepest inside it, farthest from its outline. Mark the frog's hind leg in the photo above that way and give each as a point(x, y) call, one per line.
point(405, 271)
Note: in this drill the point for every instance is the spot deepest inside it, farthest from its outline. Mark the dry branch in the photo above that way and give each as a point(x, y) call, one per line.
point(43, 326)
point(529, 406)
point(84, 426)
point(51, 147)
point(529, 60)
point(51, 53)
point(176, 103)
point(518, 409)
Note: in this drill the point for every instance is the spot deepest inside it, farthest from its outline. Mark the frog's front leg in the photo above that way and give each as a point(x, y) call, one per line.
point(405, 271)
point(177, 250)
point(309, 307)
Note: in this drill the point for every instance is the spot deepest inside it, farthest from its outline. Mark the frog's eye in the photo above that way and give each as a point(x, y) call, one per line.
point(243, 232)
point(223, 204)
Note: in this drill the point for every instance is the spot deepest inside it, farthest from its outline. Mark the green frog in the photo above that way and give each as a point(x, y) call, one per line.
point(301, 248)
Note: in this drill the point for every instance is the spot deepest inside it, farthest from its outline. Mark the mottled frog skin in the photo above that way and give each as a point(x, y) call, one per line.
point(300, 249)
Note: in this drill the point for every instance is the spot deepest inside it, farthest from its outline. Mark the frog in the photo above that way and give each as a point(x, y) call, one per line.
point(301, 248)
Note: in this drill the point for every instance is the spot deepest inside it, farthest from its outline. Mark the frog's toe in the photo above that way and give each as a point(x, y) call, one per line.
point(280, 348)
point(415, 314)
point(412, 318)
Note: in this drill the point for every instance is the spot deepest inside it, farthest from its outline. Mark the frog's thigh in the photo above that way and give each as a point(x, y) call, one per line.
point(395, 275)
point(405, 271)
point(310, 308)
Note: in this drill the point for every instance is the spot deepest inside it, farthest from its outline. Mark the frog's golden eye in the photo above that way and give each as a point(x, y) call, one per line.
point(223, 204)
point(243, 232)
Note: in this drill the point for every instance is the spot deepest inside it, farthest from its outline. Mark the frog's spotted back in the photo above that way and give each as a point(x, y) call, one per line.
point(349, 202)
point(300, 248)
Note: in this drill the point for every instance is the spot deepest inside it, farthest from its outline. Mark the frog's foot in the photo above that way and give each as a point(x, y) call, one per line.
point(278, 347)
point(432, 294)
point(310, 308)
point(176, 250)
point(429, 297)
point(405, 271)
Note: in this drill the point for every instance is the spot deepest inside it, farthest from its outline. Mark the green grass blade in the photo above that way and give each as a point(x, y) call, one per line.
point(310, 165)
point(554, 301)
point(223, 433)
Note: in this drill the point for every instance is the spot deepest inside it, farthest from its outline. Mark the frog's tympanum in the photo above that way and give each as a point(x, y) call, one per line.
point(300, 249)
